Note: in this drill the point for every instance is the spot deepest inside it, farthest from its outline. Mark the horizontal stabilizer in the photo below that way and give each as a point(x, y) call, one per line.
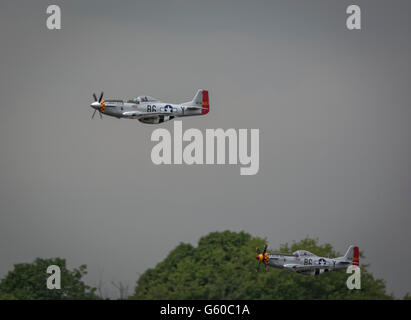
point(196, 108)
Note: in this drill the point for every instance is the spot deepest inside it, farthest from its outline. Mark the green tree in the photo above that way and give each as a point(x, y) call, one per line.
point(6, 296)
point(223, 266)
point(28, 282)
point(407, 296)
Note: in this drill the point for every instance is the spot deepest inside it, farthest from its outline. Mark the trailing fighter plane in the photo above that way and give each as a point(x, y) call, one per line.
point(307, 263)
point(150, 110)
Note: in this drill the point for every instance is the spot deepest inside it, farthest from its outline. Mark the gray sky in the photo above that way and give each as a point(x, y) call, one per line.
point(332, 107)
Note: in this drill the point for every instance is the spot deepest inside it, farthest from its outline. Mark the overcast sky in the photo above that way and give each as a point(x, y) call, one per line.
point(332, 106)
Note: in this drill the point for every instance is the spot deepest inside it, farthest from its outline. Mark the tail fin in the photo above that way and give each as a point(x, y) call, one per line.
point(353, 254)
point(201, 100)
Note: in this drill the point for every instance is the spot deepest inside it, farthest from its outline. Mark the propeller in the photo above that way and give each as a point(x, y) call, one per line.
point(101, 96)
point(102, 105)
point(262, 257)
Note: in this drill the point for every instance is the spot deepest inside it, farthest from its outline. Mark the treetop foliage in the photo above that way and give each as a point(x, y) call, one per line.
point(223, 266)
point(28, 282)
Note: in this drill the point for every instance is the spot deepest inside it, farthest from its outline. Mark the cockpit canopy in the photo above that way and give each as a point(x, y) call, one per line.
point(303, 253)
point(140, 99)
point(146, 99)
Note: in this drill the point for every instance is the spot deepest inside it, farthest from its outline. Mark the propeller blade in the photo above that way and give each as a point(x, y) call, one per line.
point(264, 255)
point(95, 97)
point(94, 113)
point(101, 96)
point(101, 117)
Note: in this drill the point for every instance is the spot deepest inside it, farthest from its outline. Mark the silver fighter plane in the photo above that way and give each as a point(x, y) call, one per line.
point(307, 263)
point(150, 110)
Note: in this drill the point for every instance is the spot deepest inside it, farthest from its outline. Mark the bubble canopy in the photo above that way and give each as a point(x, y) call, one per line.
point(300, 253)
point(146, 99)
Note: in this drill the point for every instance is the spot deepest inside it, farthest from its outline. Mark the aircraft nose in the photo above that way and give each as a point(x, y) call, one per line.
point(259, 257)
point(95, 104)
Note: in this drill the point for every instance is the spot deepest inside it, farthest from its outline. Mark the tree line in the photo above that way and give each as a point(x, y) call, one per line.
point(222, 266)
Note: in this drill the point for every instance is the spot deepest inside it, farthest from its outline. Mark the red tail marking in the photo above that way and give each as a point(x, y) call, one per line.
point(205, 103)
point(356, 257)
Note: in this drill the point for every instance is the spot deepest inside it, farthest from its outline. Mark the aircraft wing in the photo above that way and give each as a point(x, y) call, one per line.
point(146, 115)
point(298, 267)
point(131, 113)
point(292, 266)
